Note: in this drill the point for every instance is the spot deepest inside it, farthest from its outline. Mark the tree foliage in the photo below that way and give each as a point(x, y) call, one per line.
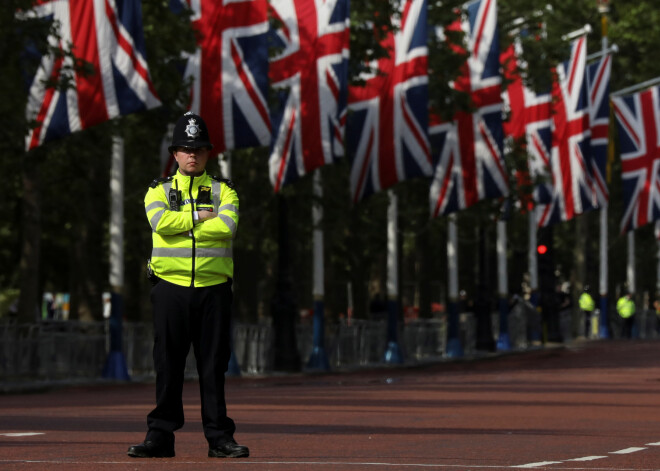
point(74, 171)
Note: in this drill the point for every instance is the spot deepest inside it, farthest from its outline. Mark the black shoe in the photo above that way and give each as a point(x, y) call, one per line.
point(150, 449)
point(229, 449)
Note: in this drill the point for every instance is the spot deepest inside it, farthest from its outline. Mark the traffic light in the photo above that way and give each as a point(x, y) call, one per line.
point(547, 282)
point(545, 258)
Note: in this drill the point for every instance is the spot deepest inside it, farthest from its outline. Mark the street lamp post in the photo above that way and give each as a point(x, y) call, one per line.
point(603, 9)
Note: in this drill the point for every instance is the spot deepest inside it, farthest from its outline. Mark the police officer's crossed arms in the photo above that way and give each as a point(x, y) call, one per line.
point(193, 218)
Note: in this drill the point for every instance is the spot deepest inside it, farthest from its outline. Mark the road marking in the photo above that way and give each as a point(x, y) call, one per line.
point(344, 463)
point(625, 451)
point(22, 434)
point(315, 464)
point(283, 463)
point(536, 465)
point(587, 458)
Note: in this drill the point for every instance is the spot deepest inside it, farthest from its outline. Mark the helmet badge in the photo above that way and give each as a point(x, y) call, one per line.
point(192, 129)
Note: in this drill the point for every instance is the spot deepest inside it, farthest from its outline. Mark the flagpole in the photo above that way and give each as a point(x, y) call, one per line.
point(657, 277)
point(637, 87)
point(586, 29)
point(318, 360)
point(224, 162)
point(604, 51)
point(504, 341)
point(482, 296)
point(393, 353)
point(603, 330)
point(115, 365)
point(454, 347)
point(532, 258)
point(630, 270)
point(630, 267)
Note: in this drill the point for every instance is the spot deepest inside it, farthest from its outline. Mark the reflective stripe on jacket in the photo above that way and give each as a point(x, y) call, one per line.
point(186, 252)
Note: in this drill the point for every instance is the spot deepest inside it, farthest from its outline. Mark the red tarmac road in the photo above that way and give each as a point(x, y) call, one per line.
point(591, 406)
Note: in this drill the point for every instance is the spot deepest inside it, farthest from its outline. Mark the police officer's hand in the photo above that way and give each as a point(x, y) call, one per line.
point(204, 215)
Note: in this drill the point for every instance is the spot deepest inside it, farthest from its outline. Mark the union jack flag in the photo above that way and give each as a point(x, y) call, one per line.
point(598, 78)
point(638, 122)
point(530, 118)
point(108, 35)
point(311, 77)
point(470, 164)
point(388, 128)
point(573, 186)
point(229, 71)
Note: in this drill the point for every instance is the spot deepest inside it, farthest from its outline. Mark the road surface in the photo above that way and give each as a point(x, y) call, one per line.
point(593, 405)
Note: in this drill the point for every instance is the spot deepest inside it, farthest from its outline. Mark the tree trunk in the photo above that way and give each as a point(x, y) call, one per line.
point(283, 304)
point(87, 255)
point(29, 299)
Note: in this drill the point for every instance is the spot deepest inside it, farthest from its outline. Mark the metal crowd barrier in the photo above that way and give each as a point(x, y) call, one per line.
point(59, 350)
point(52, 350)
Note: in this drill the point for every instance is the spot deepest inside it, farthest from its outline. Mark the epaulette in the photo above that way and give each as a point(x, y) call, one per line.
point(226, 181)
point(160, 180)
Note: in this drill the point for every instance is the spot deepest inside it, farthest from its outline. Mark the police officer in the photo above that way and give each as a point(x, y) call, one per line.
point(193, 218)
point(625, 306)
point(587, 306)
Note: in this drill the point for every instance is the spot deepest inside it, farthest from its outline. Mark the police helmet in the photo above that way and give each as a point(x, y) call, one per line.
point(190, 131)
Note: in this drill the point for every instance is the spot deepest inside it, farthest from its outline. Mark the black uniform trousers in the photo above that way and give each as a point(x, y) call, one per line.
point(201, 317)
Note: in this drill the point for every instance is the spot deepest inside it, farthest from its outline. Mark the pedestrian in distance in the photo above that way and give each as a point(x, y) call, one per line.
point(625, 306)
point(587, 306)
point(193, 217)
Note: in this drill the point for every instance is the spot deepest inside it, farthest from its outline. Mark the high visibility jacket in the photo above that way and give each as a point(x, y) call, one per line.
point(187, 252)
point(586, 302)
point(625, 307)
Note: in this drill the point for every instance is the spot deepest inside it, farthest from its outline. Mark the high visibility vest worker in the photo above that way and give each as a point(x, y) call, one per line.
point(625, 307)
point(586, 302)
point(186, 252)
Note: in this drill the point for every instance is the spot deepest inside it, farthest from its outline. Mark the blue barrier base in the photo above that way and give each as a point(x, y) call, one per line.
point(393, 354)
point(603, 332)
point(504, 342)
point(233, 368)
point(454, 348)
point(603, 326)
point(318, 360)
point(115, 367)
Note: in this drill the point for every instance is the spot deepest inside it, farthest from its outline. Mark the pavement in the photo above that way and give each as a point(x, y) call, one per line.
point(591, 405)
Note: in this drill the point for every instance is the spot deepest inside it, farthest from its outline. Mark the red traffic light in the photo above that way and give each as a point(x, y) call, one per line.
point(542, 249)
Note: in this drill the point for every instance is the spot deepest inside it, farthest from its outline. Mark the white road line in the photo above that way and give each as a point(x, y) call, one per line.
point(625, 451)
point(588, 458)
point(536, 465)
point(22, 434)
point(317, 464)
point(344, 463)
point(271, 463)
